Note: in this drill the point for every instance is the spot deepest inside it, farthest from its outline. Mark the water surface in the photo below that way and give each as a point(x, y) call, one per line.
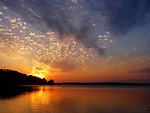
point(73, 99)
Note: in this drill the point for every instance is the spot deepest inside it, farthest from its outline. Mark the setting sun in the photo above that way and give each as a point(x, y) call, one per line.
point(40, 76)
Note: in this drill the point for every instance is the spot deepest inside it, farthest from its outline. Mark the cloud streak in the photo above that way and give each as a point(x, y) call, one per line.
point(143, 70)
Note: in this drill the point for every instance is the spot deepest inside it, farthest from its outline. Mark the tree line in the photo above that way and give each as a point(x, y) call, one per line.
point(11, 77)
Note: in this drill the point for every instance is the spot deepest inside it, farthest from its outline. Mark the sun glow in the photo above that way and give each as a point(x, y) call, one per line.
point(40, 76)
point(39, 69)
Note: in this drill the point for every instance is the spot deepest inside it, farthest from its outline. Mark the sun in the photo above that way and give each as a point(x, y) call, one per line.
point(40, 76)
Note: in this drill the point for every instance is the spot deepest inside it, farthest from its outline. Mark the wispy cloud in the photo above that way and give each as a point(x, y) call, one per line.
point(124, 15)
point(143, 70)
point(64, 66)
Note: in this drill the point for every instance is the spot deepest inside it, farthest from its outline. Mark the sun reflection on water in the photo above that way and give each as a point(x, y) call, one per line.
point(72, 99)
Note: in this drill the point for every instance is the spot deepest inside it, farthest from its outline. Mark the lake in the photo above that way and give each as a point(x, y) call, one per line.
point(74, 99)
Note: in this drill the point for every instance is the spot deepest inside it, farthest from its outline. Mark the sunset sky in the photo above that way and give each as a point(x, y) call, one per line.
point(77, 40)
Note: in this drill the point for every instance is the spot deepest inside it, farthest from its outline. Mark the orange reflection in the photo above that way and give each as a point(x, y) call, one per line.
point(87, 100)
point(71, 99)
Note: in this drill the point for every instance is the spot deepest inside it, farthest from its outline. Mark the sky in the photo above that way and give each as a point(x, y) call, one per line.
point(77, 40)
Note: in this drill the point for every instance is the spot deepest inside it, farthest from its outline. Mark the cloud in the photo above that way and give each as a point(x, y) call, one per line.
point(64, 66)
point(122, 15)
point(76, 19)
point(143, 70)
point(56, 15)
point(6, 46)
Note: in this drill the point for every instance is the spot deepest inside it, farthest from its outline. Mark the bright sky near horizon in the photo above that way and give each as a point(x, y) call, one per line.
point(77, 40)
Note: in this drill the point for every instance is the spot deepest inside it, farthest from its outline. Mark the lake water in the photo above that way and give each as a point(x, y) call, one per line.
point(75, 99)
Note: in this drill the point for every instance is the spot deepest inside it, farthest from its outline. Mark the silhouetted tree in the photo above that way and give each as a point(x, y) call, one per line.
point(10, 77)
point(44, 80)
point(51, 82)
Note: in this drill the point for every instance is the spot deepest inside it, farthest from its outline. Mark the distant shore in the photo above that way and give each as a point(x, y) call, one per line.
point(104, 84)
point(83, 84)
